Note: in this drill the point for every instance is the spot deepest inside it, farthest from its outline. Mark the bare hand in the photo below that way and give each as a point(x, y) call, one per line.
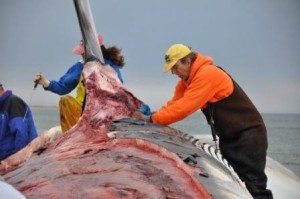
point(41, 79)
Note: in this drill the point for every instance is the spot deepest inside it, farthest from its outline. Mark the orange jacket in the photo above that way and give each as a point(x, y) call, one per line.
point(206, 83)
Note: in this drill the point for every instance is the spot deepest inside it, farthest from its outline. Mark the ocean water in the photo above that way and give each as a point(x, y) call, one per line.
point(283, 132)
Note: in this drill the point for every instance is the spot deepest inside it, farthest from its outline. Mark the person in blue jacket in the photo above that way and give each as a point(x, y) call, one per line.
point(70, 107)
point(17, 126)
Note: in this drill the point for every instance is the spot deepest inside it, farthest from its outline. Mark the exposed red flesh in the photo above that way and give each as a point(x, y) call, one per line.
point(86, 163)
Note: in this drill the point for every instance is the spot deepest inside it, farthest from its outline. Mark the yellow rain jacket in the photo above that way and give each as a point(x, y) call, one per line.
point(71, 107)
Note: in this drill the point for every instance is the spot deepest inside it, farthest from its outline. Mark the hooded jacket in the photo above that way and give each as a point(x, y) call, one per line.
point(206, 84)
point(15, 130)
point(232, 116)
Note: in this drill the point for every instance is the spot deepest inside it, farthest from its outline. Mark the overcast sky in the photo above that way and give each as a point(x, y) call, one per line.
point(256, 41)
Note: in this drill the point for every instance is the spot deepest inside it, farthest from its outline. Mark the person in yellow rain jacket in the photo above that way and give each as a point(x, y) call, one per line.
point(70, 108)
point(228, 110)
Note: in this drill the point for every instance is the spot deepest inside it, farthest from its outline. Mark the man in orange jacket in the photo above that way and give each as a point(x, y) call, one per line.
point(231, 114)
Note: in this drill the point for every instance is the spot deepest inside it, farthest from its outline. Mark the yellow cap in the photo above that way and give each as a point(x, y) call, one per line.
point(173, 54)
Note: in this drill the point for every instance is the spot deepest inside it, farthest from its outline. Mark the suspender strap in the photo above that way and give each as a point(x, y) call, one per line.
point(211, 123)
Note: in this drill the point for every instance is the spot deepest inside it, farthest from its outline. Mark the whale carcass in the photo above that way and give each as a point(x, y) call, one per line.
point(109, 154)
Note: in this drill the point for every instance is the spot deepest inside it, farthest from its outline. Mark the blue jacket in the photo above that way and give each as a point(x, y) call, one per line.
point(15, 131)
point(70, 79)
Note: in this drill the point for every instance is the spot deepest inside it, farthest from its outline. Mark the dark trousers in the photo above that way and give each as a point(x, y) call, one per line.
point(247, 156)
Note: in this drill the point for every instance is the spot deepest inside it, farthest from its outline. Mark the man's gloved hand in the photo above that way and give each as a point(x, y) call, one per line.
point(143, 113)
point(145, 109)
point(42, 80)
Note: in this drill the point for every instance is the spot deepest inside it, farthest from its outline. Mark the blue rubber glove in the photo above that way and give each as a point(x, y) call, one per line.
point(145, 109)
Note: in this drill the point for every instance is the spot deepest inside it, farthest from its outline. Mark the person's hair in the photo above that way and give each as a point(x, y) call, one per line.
point(192, 56)
point(113, 53)
point(1, 87)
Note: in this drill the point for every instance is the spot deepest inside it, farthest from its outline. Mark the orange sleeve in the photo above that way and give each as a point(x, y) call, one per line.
point(179, 91)
point(207, 86)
